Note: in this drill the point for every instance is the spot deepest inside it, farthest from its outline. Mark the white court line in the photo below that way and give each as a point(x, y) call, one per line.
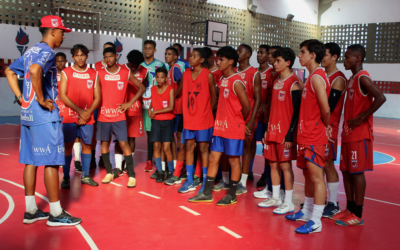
point(189, 210)
point(3, 154)
point(78, 171)
point(237, 236)
point(140, 150)
point(156, 197)
point(394, 164)
point(116, 184)
point(85, 235)
point(12, 124)
point(11, 206)
point(386, 144)
point(9, 138)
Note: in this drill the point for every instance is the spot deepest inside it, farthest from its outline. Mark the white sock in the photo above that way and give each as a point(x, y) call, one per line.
point(77, 151)
point(288, 196)
point(276, 192)
point(30, 204)
point(317, 213)
point(333, 191)
point(118, 161)
point(225, 177)
point(243, 180)
point(163, 165)
point(308, 205)
point(55, 208)
point(174, 164)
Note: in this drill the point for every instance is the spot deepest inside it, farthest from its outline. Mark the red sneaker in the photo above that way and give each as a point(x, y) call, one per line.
point(149, 167)
point(340, 215)
point(351, 220)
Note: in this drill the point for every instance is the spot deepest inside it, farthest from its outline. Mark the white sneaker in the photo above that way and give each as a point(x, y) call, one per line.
point(282, 193)
point(285, 208)
point(270, 203)
point(263, 194)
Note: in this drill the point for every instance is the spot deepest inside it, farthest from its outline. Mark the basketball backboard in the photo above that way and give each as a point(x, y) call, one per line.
point(216, 34)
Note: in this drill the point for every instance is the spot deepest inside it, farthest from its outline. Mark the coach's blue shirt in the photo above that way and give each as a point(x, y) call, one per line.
point(31, 112)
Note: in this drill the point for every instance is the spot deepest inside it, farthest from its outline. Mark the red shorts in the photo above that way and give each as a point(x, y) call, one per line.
point(331, 150)
point(357, 157)
point(135, 126)
point(314, 154)
point(274, 151)
point(253, 132)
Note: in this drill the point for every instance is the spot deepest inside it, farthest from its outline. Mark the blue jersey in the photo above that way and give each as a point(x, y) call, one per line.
point(185, 64)
point(31, 112)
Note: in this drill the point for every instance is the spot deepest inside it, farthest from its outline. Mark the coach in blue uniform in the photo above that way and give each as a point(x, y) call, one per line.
point(42, 142)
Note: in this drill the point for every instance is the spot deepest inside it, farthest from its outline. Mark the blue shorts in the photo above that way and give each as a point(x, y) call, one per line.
point(260, 131)
point(95, 115)
point(231, 147)
point(72, 131)
point(204, 135)
point(176, 123)
point(118, 129)
point(42, 145)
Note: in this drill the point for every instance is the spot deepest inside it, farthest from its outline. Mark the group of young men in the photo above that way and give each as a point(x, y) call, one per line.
point(200, 112)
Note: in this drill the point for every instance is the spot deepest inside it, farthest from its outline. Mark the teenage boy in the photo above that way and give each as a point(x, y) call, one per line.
point(81, 95)
point(114, 82)
point(182, 63)
point(61, 60)
point(363, 99)
point(212, 67)
point(229, 129)
point(102, 64)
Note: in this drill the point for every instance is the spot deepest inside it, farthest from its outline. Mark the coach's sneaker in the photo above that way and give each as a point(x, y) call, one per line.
point(263, 194)
point(154, 175)
point(309, 228)
point(241, 189)
point(65, 183)
point(64, 219)
point(221, 186)
point(340, 215)
point(196, 181)
point(285, 208)
point(89, 181)
point(172, 180)
point(78, 165)
point(270, 203)
point(117, 173)
point(160, 177)
point(299, 216)
point(108, 178)
point(149, 167)
point(227, 200)
point(263, 181)
point(201, 198)
point(350, 220)
point(331, 209)
point(186, 187)
point(38, 215)
point(131, 182)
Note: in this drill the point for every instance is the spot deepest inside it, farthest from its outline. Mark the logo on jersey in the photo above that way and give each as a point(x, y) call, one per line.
point(165, 104)
point(54, 22)
point(198, 86)
point(224, 83)
point(118, 48)
point(304, 93)
point(354, 164)
point(120, 85)
point(326, 152)
point(350, 83)
point(286, 153)
point(22, 39)
point(41, 150)
point(263, 76)
point(281, 95)
point(351, 94)
point(221, 125)
point(45, 57)
point(89, 84)
point(278, 85)
point(264, 84)
point(58, 78)
point(112, 77)
point(80, 76)
point(242, 75)
point(136, 73)
point(226, 93)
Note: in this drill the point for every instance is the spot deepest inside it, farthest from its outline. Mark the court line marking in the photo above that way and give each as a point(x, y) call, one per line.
point(12, 124)
point(144, 193)
point(116, 184)
point(237, 236)
point(189, 210)
point(85, 235)
point(394, 164)
point(387, 144)
point(11, 206)
point(3, 154)
point(9, 138)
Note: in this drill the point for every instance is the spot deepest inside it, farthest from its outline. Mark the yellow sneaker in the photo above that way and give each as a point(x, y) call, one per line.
point(131, 182)
point(108, 179)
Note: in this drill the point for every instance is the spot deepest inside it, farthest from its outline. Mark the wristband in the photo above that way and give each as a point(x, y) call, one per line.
point(17, 99)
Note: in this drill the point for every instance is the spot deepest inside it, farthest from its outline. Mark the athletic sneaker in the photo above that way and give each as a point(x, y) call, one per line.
point(64, 219)
point(350, 220)
point(172, 180)
point(263, 181)
point(331, 209)
point(227, 200)
point(65, 184)
point(101, 162)
point(340, 215)
point(285, 208)
point(250, 177)
point(197, 181)
point(131, 182)
point(108, 178)
point(169, 174)
point(263, 194)
point(299, 216)
point(89, 181)
point(149, 167)
point(160, 177)
point(221, 186)
point(201, 198)
point(241, 189)
point(186, 187)
point(183, 176)
point(309, 228)
point(270, 203)
point(78, 165)
point(154, 175)
point(92, 163)
point(117, 172)
point(38, 215)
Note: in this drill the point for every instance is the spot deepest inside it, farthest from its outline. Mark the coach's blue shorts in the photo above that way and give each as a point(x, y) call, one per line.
point(232, 147)
point(95, 115)
point(72, 131)
point(42, 145)
point(204, 135)
point(260, 131)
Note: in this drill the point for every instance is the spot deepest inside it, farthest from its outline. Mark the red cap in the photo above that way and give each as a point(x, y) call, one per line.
point(54, 22)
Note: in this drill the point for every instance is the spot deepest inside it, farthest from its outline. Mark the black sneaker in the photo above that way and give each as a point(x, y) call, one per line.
point(93, 163)
point(183, 176)
point(78, 166)
point(117, 172)
point(65, 184)
point(331, 209)
point(227, 200)
point(154, 175)
point(160, 176)
point(89, 181)
point(169, 174)
point(263, 181)
point(201, 198)
point(38, 215)
point(101, 162)
point(250, 177)
point(172, 180)
point(196, 181)
point(64, 219)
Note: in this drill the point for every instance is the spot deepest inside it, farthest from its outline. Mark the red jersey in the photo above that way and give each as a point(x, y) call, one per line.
point(248, 75)
point(60, 104)
point(311, 129)
point(217, 76)
point(114, 88)
point(80, 90)
point(136, 108)
point(229, 122)
point(99, 65)
point(161, 101)
point(282, 112)
point(266, 85)
point(356, 104)
point(171, 82)
point(337, 112)
point(196, 101)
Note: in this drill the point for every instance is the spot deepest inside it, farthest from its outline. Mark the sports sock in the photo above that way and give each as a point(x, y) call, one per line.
point(129, 165)
point(86, 164)
point(118, 161)
point(288, 196)
point(205, 169)
point(219, 173)
point(77, 151)
point(251, 165)
point(276, 190)
point(317, 213)
point(179, 166)
point(170, 166)
point(267, 170)
point(333, 192)
point(225, 177)
point(209, 185)
point(158, 163)
point(163, 165)
point(67, 166)
point(198, 169)
point(243, 180)
point(30, 204)
point(189, 171)
point(358, 210)
point(107, 163)
point(233, 187)
point(350, 206)
point(55, 208)
point(308, 205)
point(174, 164)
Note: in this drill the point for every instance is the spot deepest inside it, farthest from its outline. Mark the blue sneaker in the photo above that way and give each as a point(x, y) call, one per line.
point(196, 181)
point(309, 228)
point(186, 187)
point(331, 210)
point(241, 189)
point(64, 219)
point(298, 216)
